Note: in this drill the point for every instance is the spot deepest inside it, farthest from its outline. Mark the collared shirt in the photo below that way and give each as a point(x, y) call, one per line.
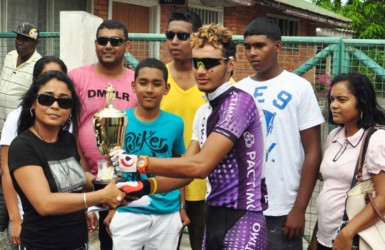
point(14, 82)
point(337, 169)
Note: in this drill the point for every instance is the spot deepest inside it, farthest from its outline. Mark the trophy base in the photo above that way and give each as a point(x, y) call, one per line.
point(100, 184)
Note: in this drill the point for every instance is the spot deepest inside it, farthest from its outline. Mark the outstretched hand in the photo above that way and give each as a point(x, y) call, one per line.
point(134, 190)
point(123, 161)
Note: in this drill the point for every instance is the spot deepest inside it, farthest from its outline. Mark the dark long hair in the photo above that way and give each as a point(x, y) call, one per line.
point(361, 87)
point(27, 119)
point(40, 65)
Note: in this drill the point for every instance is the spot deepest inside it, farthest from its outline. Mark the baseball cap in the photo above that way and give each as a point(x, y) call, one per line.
point(28, 30)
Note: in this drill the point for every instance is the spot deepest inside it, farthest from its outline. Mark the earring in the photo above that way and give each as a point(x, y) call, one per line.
point(362, 115)
point(69, 119)
point(31, 112)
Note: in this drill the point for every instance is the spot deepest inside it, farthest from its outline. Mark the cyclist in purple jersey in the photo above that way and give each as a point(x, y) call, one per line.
point(226, 147)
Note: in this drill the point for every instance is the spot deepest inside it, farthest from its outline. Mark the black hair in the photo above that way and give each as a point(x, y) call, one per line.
point(187, 16)
point(40, 64)
point(152, 63)
point(263, 26)
point(27, 116)
point(361, 87)
point(113, 24)
point(230, 49)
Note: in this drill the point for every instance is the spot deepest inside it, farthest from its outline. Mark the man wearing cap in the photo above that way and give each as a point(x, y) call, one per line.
point(16, 76)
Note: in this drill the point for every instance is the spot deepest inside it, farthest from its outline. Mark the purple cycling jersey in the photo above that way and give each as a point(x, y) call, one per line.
point(236, 180)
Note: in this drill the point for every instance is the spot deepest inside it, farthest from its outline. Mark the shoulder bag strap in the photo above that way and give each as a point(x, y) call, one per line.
point(369, 195)
point(360, 161)
point(375, 206)
point(361, 157)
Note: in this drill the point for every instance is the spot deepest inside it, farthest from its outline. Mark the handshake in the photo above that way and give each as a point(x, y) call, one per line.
point(126, 163)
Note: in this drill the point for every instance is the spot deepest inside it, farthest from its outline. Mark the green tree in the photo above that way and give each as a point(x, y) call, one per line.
point(328, 4)
point(367, 15)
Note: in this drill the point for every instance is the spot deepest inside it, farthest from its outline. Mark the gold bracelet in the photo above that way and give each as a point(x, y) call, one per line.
point(155, 184)
point(85, 200)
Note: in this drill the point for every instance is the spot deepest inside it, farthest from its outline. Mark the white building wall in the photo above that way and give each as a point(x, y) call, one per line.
point(77, 38)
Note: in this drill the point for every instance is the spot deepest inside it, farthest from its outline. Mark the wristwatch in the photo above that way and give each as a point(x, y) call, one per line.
point(142, 164)
point(183, 206)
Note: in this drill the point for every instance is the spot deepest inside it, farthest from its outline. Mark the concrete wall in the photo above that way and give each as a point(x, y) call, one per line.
point(77, 38)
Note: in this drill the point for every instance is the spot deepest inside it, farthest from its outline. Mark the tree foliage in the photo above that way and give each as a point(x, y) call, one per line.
point(367, 15)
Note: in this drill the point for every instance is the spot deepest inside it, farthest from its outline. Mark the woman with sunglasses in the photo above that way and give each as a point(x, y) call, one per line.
point(45, 169)
point(9, 133)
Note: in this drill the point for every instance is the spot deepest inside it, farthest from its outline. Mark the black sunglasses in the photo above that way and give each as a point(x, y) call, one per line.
point(208, 63)
point(48, 100)
point(182, 36)
point(115, 41)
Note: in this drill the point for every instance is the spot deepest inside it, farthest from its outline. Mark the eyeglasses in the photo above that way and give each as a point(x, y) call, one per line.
point(115, 41)
point(48, 100)
point(208, 63)
point(182, 36)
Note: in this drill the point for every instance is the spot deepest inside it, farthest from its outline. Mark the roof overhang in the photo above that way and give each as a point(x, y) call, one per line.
point(314, 13)
point(226, 3)
point(297, 8)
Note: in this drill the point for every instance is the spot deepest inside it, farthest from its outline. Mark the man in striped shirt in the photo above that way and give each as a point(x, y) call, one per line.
point(16, 76)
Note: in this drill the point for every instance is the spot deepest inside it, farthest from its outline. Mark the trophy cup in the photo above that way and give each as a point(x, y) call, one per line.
point(110, 126)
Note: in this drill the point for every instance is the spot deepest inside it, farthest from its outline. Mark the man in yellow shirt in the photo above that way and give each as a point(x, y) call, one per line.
point(183, 99)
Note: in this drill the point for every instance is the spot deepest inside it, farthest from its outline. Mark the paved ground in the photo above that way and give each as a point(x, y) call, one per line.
point(3, 241)
point(185, 245)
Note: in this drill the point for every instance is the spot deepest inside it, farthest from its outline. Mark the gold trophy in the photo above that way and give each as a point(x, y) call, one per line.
point(110, 127)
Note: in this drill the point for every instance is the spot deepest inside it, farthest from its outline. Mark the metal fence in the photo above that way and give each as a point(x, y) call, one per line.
point(317, 59)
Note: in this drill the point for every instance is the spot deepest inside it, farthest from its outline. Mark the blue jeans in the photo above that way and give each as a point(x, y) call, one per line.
point(276, 240)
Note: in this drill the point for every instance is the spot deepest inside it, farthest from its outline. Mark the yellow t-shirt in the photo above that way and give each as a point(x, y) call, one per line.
point(185, 103)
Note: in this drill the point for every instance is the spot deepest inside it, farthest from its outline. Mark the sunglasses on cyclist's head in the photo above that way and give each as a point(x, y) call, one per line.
point(208, 63)
point(115, 40)
point(182, 36)
point(48, 100)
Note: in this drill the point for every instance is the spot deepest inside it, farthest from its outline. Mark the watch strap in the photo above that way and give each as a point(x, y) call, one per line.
point(142, 167)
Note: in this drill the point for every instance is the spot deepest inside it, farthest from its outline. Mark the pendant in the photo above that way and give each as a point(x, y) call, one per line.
point(69, 182)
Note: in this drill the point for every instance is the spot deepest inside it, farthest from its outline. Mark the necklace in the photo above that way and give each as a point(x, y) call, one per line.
point(66, 170)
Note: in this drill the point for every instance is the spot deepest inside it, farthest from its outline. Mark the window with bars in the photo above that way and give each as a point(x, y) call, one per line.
point(44, 14)
point(209, 16)
point(288, 26)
